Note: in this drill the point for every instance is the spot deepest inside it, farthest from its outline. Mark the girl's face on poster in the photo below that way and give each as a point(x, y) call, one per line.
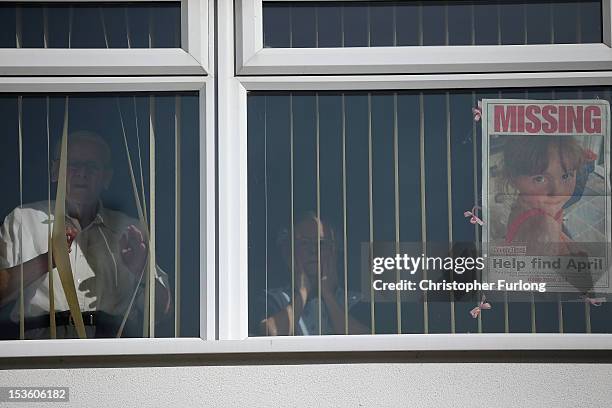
point(549, 190)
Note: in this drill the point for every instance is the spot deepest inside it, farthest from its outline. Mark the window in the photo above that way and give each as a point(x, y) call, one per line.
point(399, 167)
point(351, 135)
point(376, 138)
point(113, 119)
point(413, 23)
point(306, 37)
point(104, 38)
point(90, 25)
point(162, 196)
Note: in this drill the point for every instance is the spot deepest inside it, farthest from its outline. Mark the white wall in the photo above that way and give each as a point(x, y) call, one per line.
point(363, 384)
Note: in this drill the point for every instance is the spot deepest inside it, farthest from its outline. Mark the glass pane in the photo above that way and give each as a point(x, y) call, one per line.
point(86, 28)
point(382, 25)
point(409, 194)
point(277, 25)
point(460, 23)
point(329, 26)
point(539, 22)
point(512, 23)
point(303, 27)
point(434, 22)
point(408, 28)
point(464, 192)
point(32, 32)
point(356, 159)
point(331, 171)
point(90, 25)
point(120, 148)
point(356, 30)
point(340, 179)
point(486, 23)
point(8, 36)
point(565, 20)
point(430, 23)
point(436, 203)
point(590, 22)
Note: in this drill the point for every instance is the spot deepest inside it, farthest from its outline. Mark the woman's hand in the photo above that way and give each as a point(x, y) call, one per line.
point(329, 272)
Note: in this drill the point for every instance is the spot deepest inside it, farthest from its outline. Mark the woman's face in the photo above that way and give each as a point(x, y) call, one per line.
point(549, 190)
point(309, 234)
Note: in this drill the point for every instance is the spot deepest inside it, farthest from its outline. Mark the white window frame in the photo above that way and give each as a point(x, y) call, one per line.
point(194, 58)
point(253, 59)
point(232, 170)
point(223, 158)
point(204, 87)
point(134, 70)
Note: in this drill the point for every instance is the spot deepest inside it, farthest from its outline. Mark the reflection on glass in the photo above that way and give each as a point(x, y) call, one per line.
point(93, 162)
point(302, 24)
point(90, 25)
point(331, 174)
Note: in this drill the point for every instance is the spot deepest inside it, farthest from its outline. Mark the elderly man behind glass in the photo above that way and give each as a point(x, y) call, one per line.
point(108, 254)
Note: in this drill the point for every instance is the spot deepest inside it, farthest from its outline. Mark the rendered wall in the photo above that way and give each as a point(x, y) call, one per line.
point(362, 384)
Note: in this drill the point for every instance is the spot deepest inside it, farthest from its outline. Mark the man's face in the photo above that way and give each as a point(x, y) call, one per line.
point(88, 173)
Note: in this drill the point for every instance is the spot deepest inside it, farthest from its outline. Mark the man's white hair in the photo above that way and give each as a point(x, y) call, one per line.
point(87, 135)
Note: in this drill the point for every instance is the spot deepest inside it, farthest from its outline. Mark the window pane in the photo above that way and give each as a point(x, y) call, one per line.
point(90, 25)
point(411, 22)
point(512, 23)
point(277, 25)
point(434, 18)
point(130, 163)
point(539, 22)
point(338, 178)
point(460, 24)
point(356, 30)
point(303, 27)
point(329, 23)
point(565, 20)
point(407, 26)
point(590, 22)
point(486, 23)
point(382, 25)
point(32, 36)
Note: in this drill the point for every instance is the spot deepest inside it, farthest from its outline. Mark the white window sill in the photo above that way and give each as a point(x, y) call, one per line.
point(360, 343)
point(73, 62)
point(431, 59)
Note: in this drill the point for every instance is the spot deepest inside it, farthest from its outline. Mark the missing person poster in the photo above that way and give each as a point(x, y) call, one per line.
point(546, 193)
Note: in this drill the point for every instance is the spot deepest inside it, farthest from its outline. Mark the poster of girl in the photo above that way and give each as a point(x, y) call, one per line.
point(545, 183)
point(546, 176)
